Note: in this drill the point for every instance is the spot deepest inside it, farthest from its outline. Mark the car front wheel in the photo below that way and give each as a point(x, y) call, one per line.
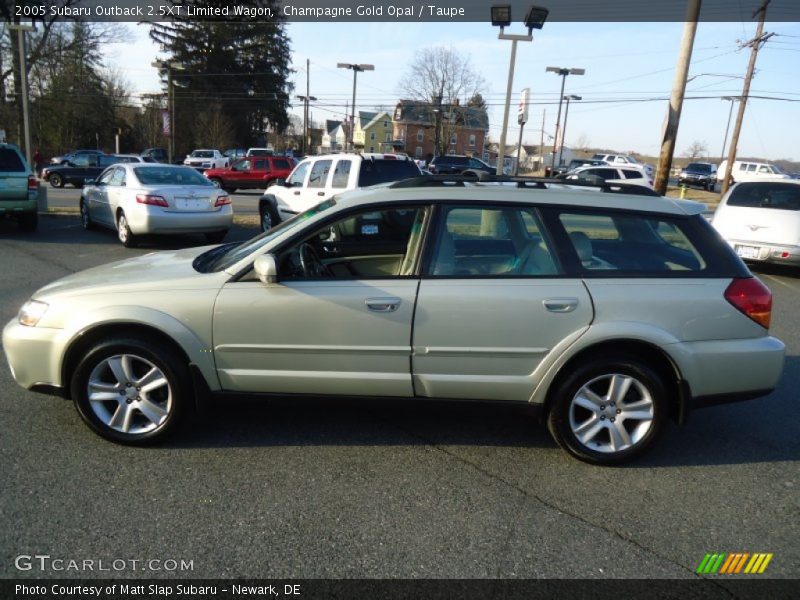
point(269, 217)
point(608, 411)
point(131, 390)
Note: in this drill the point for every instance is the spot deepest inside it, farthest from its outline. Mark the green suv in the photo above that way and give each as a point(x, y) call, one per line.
point(19, 188)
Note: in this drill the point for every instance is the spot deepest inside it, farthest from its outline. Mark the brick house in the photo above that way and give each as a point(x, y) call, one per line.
point(463, 127)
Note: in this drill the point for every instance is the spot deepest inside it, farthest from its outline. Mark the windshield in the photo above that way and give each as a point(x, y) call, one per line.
point(167, 175)
point(202, 154)
point(222, 257)
point(699, 167)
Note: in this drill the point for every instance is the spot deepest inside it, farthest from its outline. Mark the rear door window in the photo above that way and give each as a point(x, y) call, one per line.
point(341, 174)
point(10, 161)
point(281, 163)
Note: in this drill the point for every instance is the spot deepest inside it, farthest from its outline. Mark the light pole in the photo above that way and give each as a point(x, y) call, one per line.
point(356, 69)
point(564, 131)
point(306, 100)
point(563, 72)
point(169, 67)
point(23, 78)
point(437, 124)
point(501, 17)
point(728, 126)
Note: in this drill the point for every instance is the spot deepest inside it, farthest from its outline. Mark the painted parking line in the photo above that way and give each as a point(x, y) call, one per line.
point(781, 281)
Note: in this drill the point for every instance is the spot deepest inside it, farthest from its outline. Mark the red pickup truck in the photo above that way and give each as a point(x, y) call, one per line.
point(251, 172)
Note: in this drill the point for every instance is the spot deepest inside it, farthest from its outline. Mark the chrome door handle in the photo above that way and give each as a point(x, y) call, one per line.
point(320, 193)
point(297, 193)
point(561, 305)
point(382, 304)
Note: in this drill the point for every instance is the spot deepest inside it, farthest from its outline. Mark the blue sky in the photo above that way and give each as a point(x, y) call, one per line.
point(630, 64)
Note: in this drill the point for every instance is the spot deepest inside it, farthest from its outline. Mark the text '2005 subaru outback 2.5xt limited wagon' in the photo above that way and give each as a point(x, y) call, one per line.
point(609, 313)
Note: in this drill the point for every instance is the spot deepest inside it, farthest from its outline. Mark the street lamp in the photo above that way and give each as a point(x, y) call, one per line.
point(306, 100)
point(563, 72)
point(163, 65)
point(356, 69)
point(501, 17)
point(564, 131)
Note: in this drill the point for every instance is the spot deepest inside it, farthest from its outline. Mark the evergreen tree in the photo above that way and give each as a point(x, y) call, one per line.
point(236, 68)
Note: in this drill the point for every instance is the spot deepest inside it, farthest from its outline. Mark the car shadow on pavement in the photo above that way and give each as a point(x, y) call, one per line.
point(776, 270)
point(67, 228)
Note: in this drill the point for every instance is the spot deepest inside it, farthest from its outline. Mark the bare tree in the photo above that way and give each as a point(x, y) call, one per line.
point(696, 150)
point(214, 129)
point(583, 143)
point(444, 78)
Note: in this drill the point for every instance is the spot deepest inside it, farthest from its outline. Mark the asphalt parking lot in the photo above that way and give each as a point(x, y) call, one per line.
point(385, 490)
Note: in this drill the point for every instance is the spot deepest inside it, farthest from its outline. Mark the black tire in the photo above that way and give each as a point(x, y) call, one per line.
point(269, 216)
point(29, 221)
point(216, 237)
point(86, 220)
point(124, 233)
point(566, 415)
point(216, 181)
point(56, 180)
point(173, 399)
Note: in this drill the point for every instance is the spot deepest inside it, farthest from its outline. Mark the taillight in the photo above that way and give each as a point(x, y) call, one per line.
point(151, 200)
point(33, 183)
point(752, 298)
point(390, 157)
point(222, 201)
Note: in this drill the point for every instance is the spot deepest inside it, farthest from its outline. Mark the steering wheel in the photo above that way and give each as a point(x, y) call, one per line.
point(311, 263)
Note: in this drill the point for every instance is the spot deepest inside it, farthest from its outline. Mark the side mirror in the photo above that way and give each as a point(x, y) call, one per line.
point(281, 182)
point(88, 182)
point(266, 269)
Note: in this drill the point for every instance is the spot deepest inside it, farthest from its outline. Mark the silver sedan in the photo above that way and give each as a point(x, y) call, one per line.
point(137, 199)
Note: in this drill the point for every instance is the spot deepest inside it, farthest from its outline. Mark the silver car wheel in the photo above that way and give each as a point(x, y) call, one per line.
point(86, 221)
point(122, 229)
point(129, 394)
point(611, 413)
point(266, 220)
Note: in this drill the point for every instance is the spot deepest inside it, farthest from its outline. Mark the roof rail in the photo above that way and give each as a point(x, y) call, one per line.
point(541, 183)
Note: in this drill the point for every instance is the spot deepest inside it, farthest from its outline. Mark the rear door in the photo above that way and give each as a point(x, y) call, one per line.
point(493, 303)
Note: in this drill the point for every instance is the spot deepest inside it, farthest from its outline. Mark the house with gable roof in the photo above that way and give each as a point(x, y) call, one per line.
point(373, 132)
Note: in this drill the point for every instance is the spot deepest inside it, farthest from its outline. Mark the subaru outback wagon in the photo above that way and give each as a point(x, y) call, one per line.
point(608, 313)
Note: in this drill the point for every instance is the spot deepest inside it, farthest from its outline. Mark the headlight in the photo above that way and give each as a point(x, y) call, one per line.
point(31, 312)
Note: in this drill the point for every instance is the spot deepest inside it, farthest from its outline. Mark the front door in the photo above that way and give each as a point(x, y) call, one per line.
point(492, 306)
point(338, 322)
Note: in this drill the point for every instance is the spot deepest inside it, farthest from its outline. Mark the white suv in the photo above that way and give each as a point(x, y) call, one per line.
point(317, 178)
point(611, 174)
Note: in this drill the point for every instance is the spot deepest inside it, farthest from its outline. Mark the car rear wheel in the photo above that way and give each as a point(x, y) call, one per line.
point(56, 180)
point(124, 232)
point(608, 411)
point(86, 220)
point(216, 181)
point(131, 390)
point(269, 217)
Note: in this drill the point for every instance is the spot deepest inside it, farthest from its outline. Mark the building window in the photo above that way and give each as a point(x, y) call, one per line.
point(418, 152)
point(420, 135)
point(385, 124)
point(372, 148)
point(372, 136)
point(387, 137)
point(472, 140)
point(454, 139)
point(401, 135)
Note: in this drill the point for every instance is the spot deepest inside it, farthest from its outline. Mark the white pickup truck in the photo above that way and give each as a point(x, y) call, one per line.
point(203, 160)
point(317, 178)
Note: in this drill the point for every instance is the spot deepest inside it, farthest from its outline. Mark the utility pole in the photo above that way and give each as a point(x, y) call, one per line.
point(676, 100)
point(754, 44)
point(541, 142)
point(23, 91)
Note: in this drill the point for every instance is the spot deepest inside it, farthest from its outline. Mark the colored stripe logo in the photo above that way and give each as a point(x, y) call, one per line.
point(734, 563)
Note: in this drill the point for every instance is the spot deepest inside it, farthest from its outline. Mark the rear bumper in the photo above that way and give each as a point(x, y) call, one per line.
point(768, 252)
point(153, 219)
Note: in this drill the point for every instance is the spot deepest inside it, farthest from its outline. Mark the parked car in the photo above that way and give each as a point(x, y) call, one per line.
point(573, 164)
point(452, 163)
point(258, 152)
point(19, 188)
point(745, 170)
point(139, 199)
point(608, 314)
point(633, 174)
point(234, 153)
point(317, 178)
point(252, 172)
point(206, 159)
point(78, 170)
point(700, 174)
point(71, 156)
point(761, 220)
point(615, 159)
point(157, 154)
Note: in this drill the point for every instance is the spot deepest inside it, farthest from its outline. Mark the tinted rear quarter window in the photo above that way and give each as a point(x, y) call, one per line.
point(780, 196)
point(281, 163)
point(378, 171)
point(10, 161)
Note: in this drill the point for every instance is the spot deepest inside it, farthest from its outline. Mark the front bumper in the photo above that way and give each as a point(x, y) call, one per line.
point(695, 180)
point(33, 353)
